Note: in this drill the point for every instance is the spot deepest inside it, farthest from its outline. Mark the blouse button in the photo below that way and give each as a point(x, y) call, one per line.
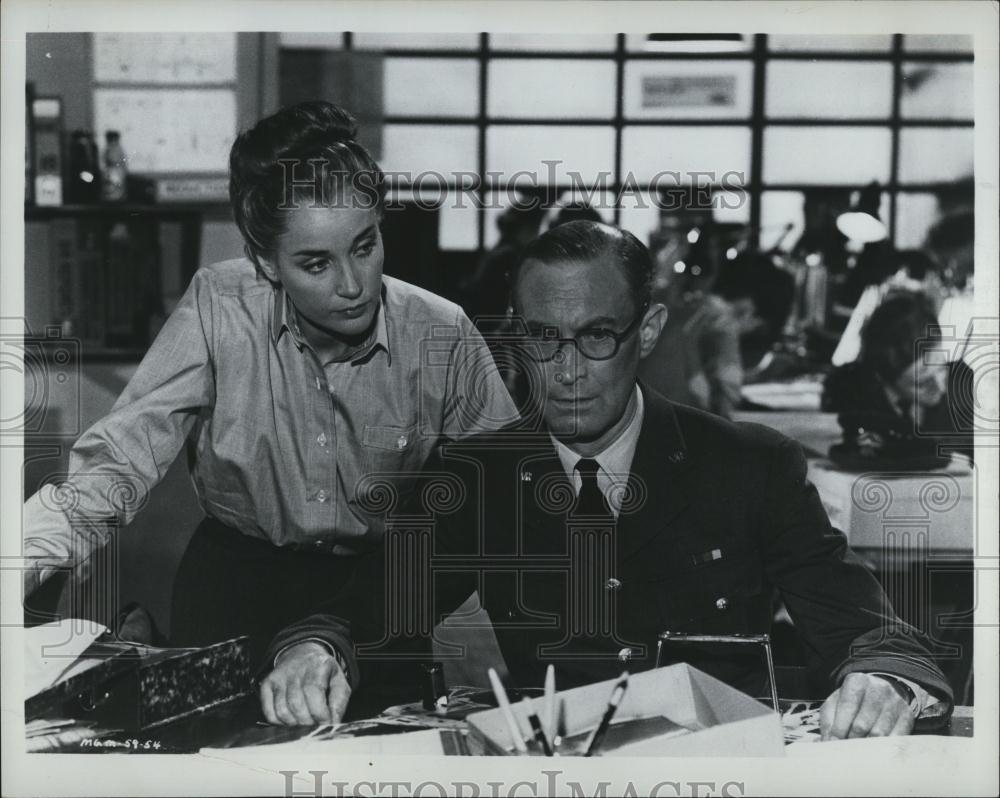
point(321, 496)
point(722, 604)
point(613, 584)
point(321, 440)
point(401, 442)
point(625, 655)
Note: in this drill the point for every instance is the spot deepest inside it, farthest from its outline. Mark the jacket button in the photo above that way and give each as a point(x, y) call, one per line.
point(722, 604)
point(625, 655)
point(613, 584)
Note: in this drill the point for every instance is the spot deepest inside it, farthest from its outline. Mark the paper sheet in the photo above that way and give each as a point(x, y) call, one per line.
point(51, 649)
point(426, 742)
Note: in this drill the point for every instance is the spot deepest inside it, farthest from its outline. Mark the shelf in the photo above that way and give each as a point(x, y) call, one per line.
point(148, 210)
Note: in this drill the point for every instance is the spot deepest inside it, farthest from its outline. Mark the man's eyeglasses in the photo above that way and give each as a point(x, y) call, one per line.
point(542, 344)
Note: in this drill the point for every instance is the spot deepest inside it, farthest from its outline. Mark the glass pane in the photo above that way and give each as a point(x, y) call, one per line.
point(829, 89)
point(688, 89)
point(643, 43)
point(431, 86)
point(731, 207)
point(928, 155)
point(414, 150)
point(826, 155)
point(778, 210)
point(458, 222)
point(561, 42)
point(640, 214)
point(416, 41)
point(830, 43)
point(937, 91)
point(926, 42)
point(700, 154)
point(308, 40)
point(589, 152)
point(915, 213)
point(551, 88)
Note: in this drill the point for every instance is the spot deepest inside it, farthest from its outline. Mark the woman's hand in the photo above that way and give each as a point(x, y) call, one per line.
point(307, 687)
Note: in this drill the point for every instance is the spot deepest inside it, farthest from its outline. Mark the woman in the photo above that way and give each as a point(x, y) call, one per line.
point(307, 386)
point(904, 399)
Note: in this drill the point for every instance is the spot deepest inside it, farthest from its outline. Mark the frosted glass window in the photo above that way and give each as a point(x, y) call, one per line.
point(778, 209)
point(311, 40)
point(915, 213)
point(458, 222)
point(688, 89)
point(641, 43)
point(415, 41)
point(937, 91)
point(928, 155)
point(587, 151)
point(431, 87)
point(552, 89)
point(830, 43)
point(829, 89)
point(429, 150)
point(834, 155)
point(935, 42)
point(554, 42)
point(731, 207)
point(640, 214)
point(719, 151)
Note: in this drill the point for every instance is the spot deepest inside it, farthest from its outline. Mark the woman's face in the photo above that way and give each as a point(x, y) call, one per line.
point(923, 384)
point(330, 263)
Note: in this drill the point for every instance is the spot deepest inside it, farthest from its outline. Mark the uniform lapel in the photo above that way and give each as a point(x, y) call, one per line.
point(661, 474)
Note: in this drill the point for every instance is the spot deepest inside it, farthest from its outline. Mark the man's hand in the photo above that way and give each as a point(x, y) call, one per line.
point(306, 687)
point(865, 705)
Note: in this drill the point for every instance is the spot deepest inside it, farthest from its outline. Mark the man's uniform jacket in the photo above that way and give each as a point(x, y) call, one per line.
point(718, 519)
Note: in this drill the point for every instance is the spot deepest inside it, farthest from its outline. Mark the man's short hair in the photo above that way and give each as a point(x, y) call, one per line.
point(586, 241)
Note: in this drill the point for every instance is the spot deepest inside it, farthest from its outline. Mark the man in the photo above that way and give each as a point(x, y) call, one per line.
point(627, 516)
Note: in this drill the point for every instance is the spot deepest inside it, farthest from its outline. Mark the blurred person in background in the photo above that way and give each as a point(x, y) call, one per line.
point(485, 295)
point(760, 295)
point(905, 399)
point(696, 360)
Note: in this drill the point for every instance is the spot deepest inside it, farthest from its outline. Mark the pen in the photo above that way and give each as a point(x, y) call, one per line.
point(536, 727)
point(504, 704)
point(549, 707)
point(616, 698)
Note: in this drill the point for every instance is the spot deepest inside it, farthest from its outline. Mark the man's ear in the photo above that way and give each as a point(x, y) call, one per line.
point(651, 327)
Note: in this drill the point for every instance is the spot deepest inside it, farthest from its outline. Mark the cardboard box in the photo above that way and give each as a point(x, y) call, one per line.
point(900, 512)
point(722, 720)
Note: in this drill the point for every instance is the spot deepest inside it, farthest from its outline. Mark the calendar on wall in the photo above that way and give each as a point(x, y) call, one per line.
point(173, 98)
point(164, 58)
point(168, 130)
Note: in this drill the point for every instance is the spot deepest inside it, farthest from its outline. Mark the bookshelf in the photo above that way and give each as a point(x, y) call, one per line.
point(111, 295)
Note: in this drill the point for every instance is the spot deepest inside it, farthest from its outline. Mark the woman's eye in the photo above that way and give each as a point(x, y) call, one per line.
point(316, 266)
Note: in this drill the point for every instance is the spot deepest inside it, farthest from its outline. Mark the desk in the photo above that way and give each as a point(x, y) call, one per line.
point(238, 724)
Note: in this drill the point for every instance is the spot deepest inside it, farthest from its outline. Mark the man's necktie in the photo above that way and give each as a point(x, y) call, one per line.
point(591, 504)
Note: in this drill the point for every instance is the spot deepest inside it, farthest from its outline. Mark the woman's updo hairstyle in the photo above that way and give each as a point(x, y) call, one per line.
point(303, 156)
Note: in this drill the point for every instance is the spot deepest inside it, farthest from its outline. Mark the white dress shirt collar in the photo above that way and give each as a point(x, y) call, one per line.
point(615, 461)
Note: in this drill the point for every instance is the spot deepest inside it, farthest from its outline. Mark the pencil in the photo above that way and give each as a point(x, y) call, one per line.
point(504, 704)
point(616, 698)
point(549, 707)
point(536, 727)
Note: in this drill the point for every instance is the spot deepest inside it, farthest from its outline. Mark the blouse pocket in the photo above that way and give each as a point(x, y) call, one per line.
point(392, 459)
